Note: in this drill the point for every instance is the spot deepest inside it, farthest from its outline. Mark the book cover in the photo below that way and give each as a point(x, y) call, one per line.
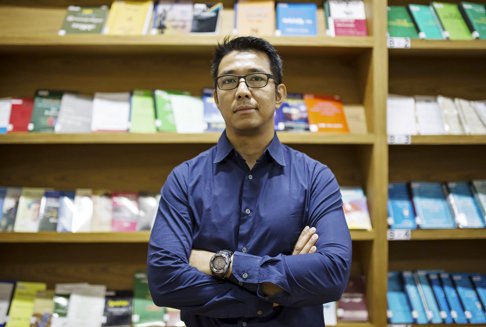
point(148, 206)
point(356, 118)
point(86, 306)
point(49, 211)
point(43, 308)
point(330, 315)
point(326, 114)
point(145, 312)
point(431, 206)
point(292, 113)
point(6, 293)
point(206, 17)
point(173, 317)
point(472, 306)
point(471, 121)
point(428, 297)
point(475, 16)
point(296, 19)
point(66, 212)
point(457, 311)
point(352, 304)
point(346, 18)
point(118, 309)
point(466, 211)
point(400, 207)
point(142, 112)
point(355, 208)
point(22, 306)
point(400, 115)
point(452, 121)
point(111, 112)
point(5, 108)
point(75, 114)
point(429, 116)
point(400, 23)
point(129, 18)
point(212, 116)
point(172, 17)
point(165, 121)
point(9, 209)
point(479, 190)
point(255, 17)
point(445, 311)
point(28, 218)
point(418, 310)
point(20, 114)
point(102, 211)
point(480, 107)
point(46, 109)
point(3, 192)
point(399, 307)
point(83, 211)
point(62, 294)
point(479, 282)
point(125, 212)
point(452, 22)
point(188, 113)
point(84, 20)
point(427, 22)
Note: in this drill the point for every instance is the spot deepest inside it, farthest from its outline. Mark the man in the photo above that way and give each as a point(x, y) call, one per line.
point(250, 232)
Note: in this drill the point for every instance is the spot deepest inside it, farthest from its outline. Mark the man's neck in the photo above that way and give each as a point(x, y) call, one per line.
point(250, 146)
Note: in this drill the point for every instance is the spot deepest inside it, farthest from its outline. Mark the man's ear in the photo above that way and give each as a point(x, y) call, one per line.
point(280, 94)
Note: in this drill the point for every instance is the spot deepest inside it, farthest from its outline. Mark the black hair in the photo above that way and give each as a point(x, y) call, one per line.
point(247, 43)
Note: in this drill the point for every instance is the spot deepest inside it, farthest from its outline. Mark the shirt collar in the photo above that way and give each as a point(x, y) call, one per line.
point(224, 148)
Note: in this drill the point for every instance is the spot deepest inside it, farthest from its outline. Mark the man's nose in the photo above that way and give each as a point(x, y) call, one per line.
point(242, 89)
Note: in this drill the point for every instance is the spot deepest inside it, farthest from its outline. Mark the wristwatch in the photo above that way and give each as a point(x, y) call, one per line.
point(220, 263)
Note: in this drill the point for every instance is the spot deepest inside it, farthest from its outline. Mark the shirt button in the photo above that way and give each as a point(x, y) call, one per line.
point(259, 312)
point(243, 324)
point(247, 211)
point(250, 177)
point(245, 276)
point(244, 250)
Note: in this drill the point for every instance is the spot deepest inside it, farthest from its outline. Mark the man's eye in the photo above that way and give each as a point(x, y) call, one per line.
point(257, 78)
point(228, 80)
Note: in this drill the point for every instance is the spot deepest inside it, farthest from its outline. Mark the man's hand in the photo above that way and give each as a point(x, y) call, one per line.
point(306, 242)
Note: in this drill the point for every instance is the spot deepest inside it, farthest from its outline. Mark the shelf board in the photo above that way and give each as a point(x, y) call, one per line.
point(442, 47)
point(362, 235)
point(174, 138)
point(448, 234)
point(188, 44)
point(447, 140)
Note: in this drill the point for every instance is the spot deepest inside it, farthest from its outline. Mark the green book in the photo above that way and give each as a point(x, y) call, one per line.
point(475, 16)
point(46, 109)
point(84, 20)
point(142, 116)
point(145, 312)
point(452, 21)
point(400, 23)
point(165, 120)
point(426, 21)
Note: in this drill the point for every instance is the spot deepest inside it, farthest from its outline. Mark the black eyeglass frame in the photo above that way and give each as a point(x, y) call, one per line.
point(239, 77)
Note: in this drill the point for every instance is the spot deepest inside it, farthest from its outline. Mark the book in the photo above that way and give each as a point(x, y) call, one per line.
point(6, 293)
point(49, 211)
point(5, 108)
point(255, 17)
point(46, 109)
point(118, 309)
point(125, 212)
point(457, 311)
point(471, 121)
point(165, 121)
point(111, 112)
point(400, 207)
point(212, 116)
point(326, 114)
point(188, 113)
point(142, 112)
point(102, 211)
point(66, 212)
point(148, 206)
point(28, 218)
point(43, 308)
point(400, 23)
point(22, 306)
point(129, 18)
point(86, 306)
point(479, 190)
point(480, 107)
point(479, 282)
point(173, 317)
point(296, 19)
point(75, 114)
point(428, 297)
point(356, 119)
point(62, 295)
point(472, 306)
point(145, 312)
point(83, 211)
point(345, 18)
point(9, 209)
point(431, 206)
point(330, 315)
point(84, 20)
point(475, 16)
point(172, 17)
point(400, 115)
point(399, 307)
point(292, 113)
point(453, 24)
point(355, 208)
point(429, 116)
point(444, 309)
point(352, 304)
point(206, 17)
point(20, 114)
point(418, 310)
point(466, 211)
point(452, 120)
point(426, 21)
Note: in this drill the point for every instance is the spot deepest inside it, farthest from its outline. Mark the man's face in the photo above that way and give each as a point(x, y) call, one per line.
point(248, 110)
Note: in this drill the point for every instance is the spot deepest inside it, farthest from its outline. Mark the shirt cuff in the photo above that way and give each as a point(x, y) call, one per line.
point(246, 268)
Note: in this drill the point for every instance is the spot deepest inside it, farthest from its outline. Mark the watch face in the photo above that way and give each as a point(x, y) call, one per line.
point(219, 263)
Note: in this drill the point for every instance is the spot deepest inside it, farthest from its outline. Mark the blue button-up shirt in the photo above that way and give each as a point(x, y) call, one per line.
point(214, 202)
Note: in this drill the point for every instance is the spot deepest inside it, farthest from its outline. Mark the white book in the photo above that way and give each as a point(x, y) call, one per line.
point(344, 11)
point(75, 114)
point(62, 294)
point(400, 118)
point(148, 205)
point(330, 316)
point(172, 17)
point(102, 211)
point(452, 120)
point(472, 122)
point(111, 112)
point(86, 306)
point(83, 211)
point(188, 113)
point(429, 116)
point(5, 109)
point(480, 107)
point(28, 212)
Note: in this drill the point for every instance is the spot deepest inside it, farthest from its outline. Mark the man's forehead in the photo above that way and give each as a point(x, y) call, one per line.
point(247, 60)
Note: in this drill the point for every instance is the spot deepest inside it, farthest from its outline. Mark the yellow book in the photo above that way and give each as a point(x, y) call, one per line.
point(129, 18)
point(22, 306)
point(255, 17)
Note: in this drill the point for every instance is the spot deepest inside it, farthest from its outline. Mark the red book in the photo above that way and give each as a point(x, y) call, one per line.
point(125, 212)
point(20, 114)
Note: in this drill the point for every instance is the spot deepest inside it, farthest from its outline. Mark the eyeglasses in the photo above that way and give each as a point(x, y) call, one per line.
point(254, 80)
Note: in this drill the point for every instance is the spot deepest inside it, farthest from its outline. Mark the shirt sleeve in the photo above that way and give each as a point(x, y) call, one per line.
point(172, 281)
point(307, 279)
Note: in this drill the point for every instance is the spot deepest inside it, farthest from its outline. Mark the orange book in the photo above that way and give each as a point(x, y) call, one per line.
point(326, 114)
point(255, 17)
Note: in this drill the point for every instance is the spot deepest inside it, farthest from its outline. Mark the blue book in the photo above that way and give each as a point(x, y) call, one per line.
point(399, 309)
point(479, 281)
point(292, 114)
point(431, 206)
point(427, 296)
point(296, 19)
point(212, 115)
point(465, 208)
point(445, 311)
point(457, 311)
point(400, 207)
point(418, 310)
point(469, 298)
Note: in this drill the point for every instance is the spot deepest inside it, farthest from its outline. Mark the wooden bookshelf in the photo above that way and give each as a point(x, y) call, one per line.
point(442, 48)
point(447, 234)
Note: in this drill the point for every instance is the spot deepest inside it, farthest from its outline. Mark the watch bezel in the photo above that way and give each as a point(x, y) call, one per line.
point(220, 272)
